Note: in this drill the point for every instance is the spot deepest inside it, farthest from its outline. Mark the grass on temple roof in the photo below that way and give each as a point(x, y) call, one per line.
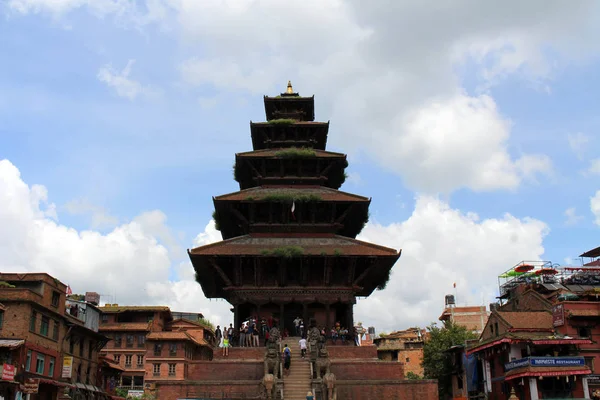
point(296, 152)
point(6, 285)
point(337, 252)
point(215, 217)
point(285, 197)
point(385, 280)
point(284, 251)
point(282, 121)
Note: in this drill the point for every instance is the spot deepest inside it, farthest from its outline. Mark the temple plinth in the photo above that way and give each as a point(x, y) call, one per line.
point(290, 245)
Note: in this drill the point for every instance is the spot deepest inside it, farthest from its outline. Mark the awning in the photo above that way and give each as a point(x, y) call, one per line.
point(54, 383)
point(546, 371)
point(10, 343)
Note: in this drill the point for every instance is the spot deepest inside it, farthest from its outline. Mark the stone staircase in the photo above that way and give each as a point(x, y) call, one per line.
point(297, 383)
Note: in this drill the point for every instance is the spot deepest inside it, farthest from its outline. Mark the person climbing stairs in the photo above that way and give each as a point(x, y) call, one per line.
point(297, 383)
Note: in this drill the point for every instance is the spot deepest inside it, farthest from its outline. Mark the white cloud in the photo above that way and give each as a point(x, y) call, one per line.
point(132, 262)
point(100, 217)
point(594, 167)
point(571, 216)
point(440, 246)
point(122, 84)
point(595, 206)
point(578, 143)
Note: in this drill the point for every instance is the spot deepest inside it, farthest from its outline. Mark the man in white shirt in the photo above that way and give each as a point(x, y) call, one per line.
point(302, 343)
point(297, 325)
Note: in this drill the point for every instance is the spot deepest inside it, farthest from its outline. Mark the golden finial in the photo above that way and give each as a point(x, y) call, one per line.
point(289, 88)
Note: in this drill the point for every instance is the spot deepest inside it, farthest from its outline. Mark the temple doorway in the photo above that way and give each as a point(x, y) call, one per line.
point(291, 312)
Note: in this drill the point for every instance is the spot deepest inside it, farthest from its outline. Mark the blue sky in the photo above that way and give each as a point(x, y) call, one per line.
point(129, 114)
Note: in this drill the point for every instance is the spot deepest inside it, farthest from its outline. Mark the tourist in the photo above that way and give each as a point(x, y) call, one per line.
point(309, 396)
point(356, 337)
point(218, 335)
point(334, 335)
point(302, 343)
point(301, 328)
point(225, 347)
point(344, 334)
point(297, 325)
point(287, 359)
point(250, 336)
point(242, 336)
point(255, 337)
point(230, 333)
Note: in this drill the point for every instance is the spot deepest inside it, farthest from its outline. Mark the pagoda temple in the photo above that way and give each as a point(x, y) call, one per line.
point(289, 244)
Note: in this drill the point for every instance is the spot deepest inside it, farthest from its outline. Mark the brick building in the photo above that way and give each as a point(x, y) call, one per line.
point(404, 347)
point(53, 352)
point(150, 346)
point(473, 318)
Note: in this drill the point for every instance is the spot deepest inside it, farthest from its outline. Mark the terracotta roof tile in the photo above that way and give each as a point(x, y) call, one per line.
point(527, 319)
point(255, 244)
point(325, 193)
point(118, 309)
point(125, 326)
point(272, 153)
point(176, 335)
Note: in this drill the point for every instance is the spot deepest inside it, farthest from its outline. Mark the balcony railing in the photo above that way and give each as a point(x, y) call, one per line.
point(545, 362)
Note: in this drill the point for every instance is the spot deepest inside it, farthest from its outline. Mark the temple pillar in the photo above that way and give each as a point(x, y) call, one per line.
point(281, 317)
point(258, 316)
point(350, 317)
point(327, 317)
point(236, 317)
point(305, 316)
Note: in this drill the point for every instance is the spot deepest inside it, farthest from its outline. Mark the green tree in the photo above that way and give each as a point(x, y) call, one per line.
point(437, 362)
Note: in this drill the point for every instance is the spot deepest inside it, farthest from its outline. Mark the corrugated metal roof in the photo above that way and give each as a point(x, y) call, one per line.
point(11, 343)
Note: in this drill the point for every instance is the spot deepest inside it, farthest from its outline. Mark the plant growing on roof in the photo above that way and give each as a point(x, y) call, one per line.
point(338, 176)
point(5, 284)
point(284, 251)
point(385, 280)
point(215, 217)
point(282, 121)
point(206, 322)
point(296, 152)
point(287, 197)
point(337, 252)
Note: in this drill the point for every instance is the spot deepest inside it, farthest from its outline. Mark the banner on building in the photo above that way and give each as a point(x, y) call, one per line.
point(67, 369)
point(8, 372)
point(558, 315)
point(31, 386)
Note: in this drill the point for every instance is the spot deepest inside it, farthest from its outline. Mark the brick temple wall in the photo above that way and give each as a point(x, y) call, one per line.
point(393, 389)
point(228, 389)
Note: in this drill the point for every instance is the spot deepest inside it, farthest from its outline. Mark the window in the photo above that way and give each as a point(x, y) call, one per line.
point(128, 360)
point(407, 359)
point(156, 369)
point(157, 349)
point(28, 362)
point(118, 340)
point(39, 364)
point(104, 318)
point(173, 349)
point(55, 299)
point(584, 332)
point(81, 346)
point(87, 374)
point(55, 330)
point(51, 366)
point(45, 327)
point(172, 369)
point(129, 340)
point(32, 321)
point(141, 340)
point(118, 358)
point(140, 360)
point(589, 361)
point(71, 345)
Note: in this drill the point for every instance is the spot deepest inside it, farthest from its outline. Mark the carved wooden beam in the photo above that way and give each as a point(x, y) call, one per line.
point(238, 271)
point(221, 273)
point(256, 272)
point(251, 165)
point(238, 214)
point(345, 214)
point(362, 275)
point(326, 170)
point(351, 270)
point(327, 271)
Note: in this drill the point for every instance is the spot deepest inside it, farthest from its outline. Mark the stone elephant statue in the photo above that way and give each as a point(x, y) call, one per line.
point(329, 382)
point(269, 382)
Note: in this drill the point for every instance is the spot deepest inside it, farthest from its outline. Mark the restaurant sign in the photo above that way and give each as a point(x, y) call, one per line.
point(67, 369)
point(545, 362)
point(8, 372)
point(558, 315)
point(31, 386)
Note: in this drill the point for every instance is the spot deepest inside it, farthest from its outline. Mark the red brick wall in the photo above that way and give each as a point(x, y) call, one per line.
point(229, 389)
point(225, 370)
point(343, 352)
point(367, 370)
point(405, 390)
point(241, 353)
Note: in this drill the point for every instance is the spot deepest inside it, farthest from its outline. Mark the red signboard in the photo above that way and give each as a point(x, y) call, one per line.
point(558, 315)
point(31, 386)
point(8, 372)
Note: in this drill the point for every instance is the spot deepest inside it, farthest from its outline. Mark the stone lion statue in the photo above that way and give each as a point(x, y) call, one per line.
point(271, 362)
point(323, 365)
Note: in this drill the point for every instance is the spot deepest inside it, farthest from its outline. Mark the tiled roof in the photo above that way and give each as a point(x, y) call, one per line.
point(257, 193)
point(272, 153)
point(533, 337)
point(527, 319)
point(256, 244)
point(126, 326)
point(176, 335)
point(118, 309)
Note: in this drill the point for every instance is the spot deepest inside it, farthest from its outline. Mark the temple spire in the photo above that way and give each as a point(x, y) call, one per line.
point(289, 88)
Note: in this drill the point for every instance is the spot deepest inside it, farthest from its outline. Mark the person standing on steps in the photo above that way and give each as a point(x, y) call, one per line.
point(302, 343)
point(218, 335)
point(309, 396)
point(225, 346)
point(297, 325)
point(287, 359)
